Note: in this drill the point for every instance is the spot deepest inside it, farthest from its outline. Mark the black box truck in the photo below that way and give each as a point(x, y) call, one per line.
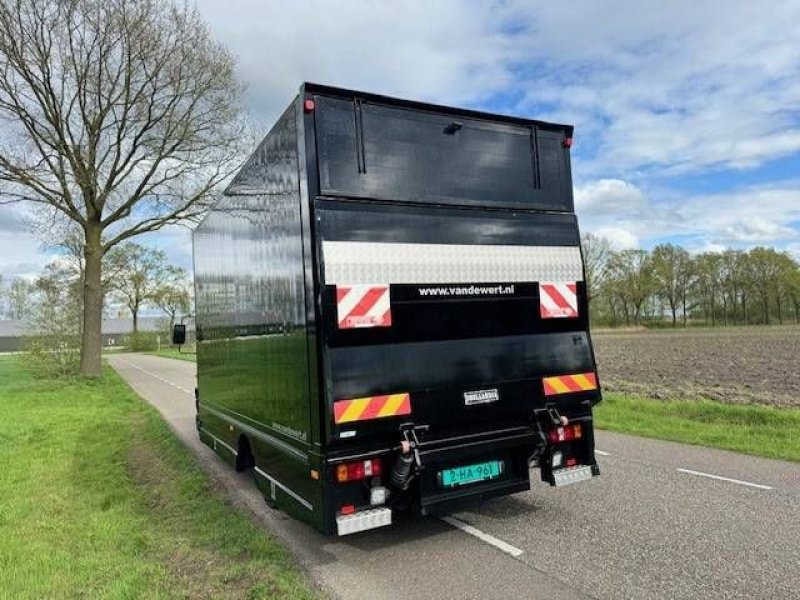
point(391, 311)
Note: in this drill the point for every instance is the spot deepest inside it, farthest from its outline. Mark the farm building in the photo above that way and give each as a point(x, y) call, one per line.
point(114, 330)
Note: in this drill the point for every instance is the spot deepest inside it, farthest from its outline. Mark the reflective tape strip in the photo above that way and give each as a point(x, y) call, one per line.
point(363, 306)
point(371, 407)
point(567, 384)
point(558, 300)
point(351, 263)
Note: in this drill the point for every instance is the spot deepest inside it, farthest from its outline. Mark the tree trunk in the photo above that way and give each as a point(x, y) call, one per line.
point(135, 314)
point(744, 309)
point(92, 341)
point(684, 311)
point(778, 304)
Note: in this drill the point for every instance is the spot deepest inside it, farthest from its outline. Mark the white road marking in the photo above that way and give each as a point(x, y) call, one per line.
point(161, 379)
point(484, 537)
point(602, 452)
point(728, 479)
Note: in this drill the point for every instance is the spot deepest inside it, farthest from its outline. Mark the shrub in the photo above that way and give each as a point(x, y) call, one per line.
point(144, 341)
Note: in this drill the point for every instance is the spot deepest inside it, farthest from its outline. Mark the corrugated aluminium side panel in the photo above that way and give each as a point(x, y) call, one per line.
point(251, 315)
point(307, 181)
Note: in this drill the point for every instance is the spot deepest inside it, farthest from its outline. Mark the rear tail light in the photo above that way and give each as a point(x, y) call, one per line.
point(567, 433)
point(355, 471)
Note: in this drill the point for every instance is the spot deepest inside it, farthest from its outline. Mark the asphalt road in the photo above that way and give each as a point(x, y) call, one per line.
point(664, 520)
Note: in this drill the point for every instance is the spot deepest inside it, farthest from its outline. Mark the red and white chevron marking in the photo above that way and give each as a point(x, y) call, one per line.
point(558, 300)
point(363, 306)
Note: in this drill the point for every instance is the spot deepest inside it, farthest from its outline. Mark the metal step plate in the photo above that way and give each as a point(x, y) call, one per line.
point(567, 476)
point(363, 520)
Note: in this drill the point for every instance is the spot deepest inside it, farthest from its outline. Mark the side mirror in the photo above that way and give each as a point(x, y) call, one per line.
point(179, 334)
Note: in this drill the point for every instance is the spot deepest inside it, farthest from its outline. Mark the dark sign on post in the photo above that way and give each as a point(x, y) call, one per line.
point(179, 334)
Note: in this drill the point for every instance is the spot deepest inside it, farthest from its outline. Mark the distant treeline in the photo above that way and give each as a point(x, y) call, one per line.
point(669, 285)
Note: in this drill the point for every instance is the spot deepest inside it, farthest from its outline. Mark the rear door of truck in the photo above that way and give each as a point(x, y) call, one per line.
point(452, 290)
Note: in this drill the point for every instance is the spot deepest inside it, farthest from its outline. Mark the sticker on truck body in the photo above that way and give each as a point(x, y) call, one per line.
point(566, 384)
point(558, 300)
point(481, 397)
point(371, 407)
point(363, 305)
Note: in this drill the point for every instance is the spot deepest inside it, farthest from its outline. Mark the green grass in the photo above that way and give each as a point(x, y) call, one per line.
point(750, 429)
point(99, 500)
point(172, 352)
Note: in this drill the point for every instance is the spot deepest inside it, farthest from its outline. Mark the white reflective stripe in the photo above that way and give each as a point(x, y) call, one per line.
point(230, 448)
point(278, 484)
point(352, 263)
point(569, 295)
point(547, 301)
point(351, 299)
point(381, 306)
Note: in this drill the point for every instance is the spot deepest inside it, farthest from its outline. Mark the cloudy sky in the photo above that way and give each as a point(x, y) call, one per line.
point(687, 115)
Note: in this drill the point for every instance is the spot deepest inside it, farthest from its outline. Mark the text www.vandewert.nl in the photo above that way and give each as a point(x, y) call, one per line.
point(467, 290)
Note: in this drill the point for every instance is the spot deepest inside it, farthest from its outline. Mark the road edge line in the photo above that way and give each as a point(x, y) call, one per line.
point(483, 536)
point(760, 486)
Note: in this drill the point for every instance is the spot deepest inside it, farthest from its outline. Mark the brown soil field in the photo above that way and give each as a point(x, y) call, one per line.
point(737, 365)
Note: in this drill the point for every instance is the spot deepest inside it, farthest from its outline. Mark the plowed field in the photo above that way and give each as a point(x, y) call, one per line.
point(737, 365)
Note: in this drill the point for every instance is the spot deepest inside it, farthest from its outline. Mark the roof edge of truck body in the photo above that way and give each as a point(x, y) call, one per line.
point(316, 88)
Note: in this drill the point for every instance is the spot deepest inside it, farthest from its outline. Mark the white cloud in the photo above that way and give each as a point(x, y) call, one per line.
point(442, 50)
point(621, 239)
point(609, 196)
point(756, 215)
point(20, 255)
point(656, 85)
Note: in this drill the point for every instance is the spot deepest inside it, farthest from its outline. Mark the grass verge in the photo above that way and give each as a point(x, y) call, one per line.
point(99, 499)
point(170, 352)
point(750, 429)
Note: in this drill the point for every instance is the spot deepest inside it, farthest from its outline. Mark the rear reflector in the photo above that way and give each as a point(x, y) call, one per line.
point(308, 105)
point(356, 471)
point(566, 384)
point(360, 306)
point(363, 520)
point(558, 300)
point(565, 434)
point(371, 407)
point(347, 509)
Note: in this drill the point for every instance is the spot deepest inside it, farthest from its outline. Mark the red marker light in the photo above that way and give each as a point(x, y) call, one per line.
point(308, 105)
point(356, 471)
point(348, 509)
point(568, 142)
point(565, 434)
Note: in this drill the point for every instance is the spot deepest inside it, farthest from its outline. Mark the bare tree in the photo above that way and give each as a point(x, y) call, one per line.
point(793, 285)
point(596, 251)
point(19, 298)
point(631, 272)
point(120, 117)
point(670, 266)
point(766, 271)
point(141, 273)
point(173, 295)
